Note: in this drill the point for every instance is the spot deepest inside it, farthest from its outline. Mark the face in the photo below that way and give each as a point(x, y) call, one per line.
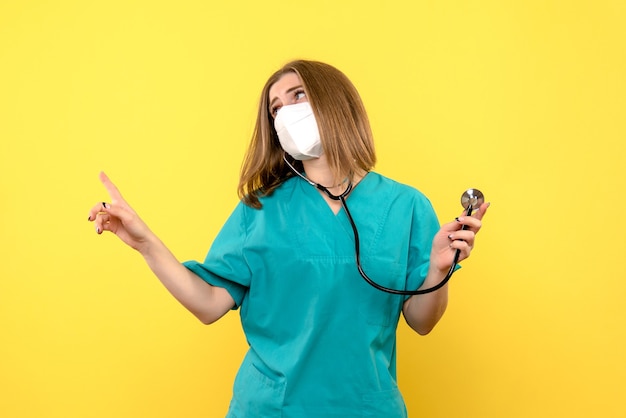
point(286, 91)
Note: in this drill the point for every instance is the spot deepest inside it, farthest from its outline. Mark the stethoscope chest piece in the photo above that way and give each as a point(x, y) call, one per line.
point(472, 198)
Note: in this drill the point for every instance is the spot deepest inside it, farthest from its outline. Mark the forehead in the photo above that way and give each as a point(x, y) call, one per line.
point(283, 84)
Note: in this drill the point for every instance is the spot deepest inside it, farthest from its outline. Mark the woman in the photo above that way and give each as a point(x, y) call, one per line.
point(322, 340)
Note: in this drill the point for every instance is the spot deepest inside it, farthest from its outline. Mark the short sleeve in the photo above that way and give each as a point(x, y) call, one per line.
point(225, 265)
point(424, 227)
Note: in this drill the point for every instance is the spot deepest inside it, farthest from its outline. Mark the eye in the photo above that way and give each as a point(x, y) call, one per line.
point(299, 94)
point(274, 110)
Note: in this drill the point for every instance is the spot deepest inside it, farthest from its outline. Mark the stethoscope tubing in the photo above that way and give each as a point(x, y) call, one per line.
point(357, 243)
point(434, 288)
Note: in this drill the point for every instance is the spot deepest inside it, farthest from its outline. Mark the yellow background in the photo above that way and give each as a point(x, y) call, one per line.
point(524, 100)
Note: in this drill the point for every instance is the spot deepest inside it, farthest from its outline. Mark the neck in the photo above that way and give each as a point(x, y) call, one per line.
point(318, 171)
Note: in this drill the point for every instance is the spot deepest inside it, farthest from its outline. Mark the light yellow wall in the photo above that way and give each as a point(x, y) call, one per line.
point(524, 100)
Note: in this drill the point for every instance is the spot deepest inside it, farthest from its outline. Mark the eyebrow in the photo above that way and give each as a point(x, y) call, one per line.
point(287, 92)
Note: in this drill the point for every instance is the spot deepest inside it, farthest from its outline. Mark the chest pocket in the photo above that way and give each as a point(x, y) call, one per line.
point(376, 306)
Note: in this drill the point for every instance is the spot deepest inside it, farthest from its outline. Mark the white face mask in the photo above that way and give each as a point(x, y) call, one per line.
point(297, 131)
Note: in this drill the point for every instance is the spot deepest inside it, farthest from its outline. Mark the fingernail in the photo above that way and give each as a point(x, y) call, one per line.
point(450, 237)
point(98, 230)
point(458, 219)
point(89, 218)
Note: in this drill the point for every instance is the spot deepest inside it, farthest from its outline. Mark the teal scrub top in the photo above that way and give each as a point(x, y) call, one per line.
point(322, 341)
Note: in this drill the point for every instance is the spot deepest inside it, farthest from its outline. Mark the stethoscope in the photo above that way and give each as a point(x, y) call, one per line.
point(470, 199)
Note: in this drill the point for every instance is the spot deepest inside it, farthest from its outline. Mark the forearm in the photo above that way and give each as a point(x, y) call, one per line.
point(423, 312)
point(206, 302)
point(454, 239)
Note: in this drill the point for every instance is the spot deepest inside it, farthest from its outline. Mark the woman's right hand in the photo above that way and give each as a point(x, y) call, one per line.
point(119, 218)
point(208, 303)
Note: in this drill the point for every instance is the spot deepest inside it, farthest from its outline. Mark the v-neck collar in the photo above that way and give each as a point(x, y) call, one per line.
point(317, 196)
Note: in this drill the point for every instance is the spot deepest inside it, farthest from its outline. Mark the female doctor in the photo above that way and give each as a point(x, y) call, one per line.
point(322, 341)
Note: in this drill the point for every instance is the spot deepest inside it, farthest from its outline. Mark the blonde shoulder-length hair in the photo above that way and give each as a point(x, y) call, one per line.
point(342, 121)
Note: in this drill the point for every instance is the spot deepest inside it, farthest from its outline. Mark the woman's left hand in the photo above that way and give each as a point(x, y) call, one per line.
point(452, 237)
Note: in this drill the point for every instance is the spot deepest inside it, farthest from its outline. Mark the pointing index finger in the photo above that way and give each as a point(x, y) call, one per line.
point(111, 188)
